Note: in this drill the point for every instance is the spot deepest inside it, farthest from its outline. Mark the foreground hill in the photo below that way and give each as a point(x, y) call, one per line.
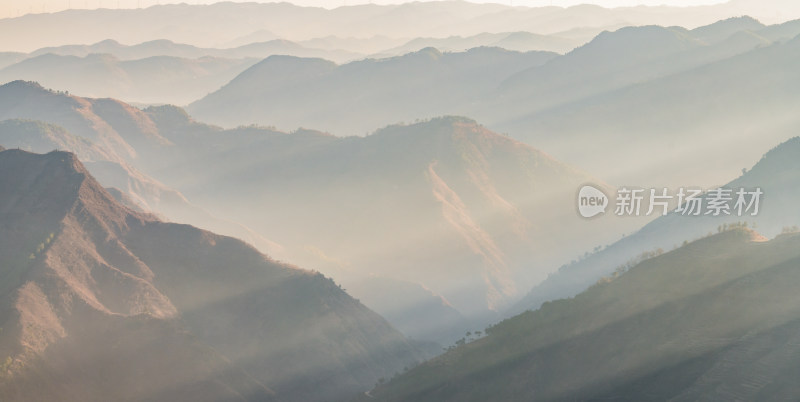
point(713, 320)
point(104, 303)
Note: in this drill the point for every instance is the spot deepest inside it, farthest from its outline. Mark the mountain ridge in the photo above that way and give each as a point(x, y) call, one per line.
point(118, 268)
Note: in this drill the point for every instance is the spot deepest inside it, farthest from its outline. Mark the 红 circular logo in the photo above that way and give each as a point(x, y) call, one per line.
point(591, 201)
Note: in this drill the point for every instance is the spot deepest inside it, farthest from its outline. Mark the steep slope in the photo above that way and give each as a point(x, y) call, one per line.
point(142, 190)
point(115, 126)
point(191, 314)
point(674, 326)
point(777, 174)
point(290, 92)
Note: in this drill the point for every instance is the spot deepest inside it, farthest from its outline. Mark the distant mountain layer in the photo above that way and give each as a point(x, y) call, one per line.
point(228, 23)
point(289, 92)
point(104, 303)
point(716, 319)
point(515, 41)
point(157, 79)
point(626, 91)
point(162, 47)
point(705, 111)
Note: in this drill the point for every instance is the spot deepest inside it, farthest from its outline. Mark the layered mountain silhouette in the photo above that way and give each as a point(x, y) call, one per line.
point(707, 113)
point(201, 25)
point(104, 303)
point(289, 92)
point(444, 204)
point(516, 41)
point(140, 190)
point(254, 48)
point(156, 79)
point(777, 175)
point(712, 320)
point(675, 84)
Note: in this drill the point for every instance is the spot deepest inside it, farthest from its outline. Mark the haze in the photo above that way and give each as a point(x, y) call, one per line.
point(16, 8)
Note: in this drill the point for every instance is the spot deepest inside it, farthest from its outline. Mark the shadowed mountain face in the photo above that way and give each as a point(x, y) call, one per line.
point(103, 303)
point(708, 321)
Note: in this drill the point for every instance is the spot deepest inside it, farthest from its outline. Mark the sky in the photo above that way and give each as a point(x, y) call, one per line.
point(15, 8)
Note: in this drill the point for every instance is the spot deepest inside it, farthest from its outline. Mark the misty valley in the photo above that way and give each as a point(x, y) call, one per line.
point(403, 201)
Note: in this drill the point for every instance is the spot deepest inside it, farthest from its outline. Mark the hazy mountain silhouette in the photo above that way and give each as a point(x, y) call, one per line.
point(162, 47)
point(709, 320)
point(289, 92)
point(414, 310)
point(364, 45)
point(156, 79)
point(201, 25)
point(446, 204)
point(722, 30)
point(107, 304)
point(777, 174)
point(707, 113)
point(8, 58)
point(141, 191)
point(516, 41)
point(526, 95)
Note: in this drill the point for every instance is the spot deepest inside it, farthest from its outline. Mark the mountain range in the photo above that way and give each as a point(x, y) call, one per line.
point(603, 95)
point(102, 302)
point(451, 198)
point(157, 79)
point(289, 92)
point(202, 25)
point(268, 202)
